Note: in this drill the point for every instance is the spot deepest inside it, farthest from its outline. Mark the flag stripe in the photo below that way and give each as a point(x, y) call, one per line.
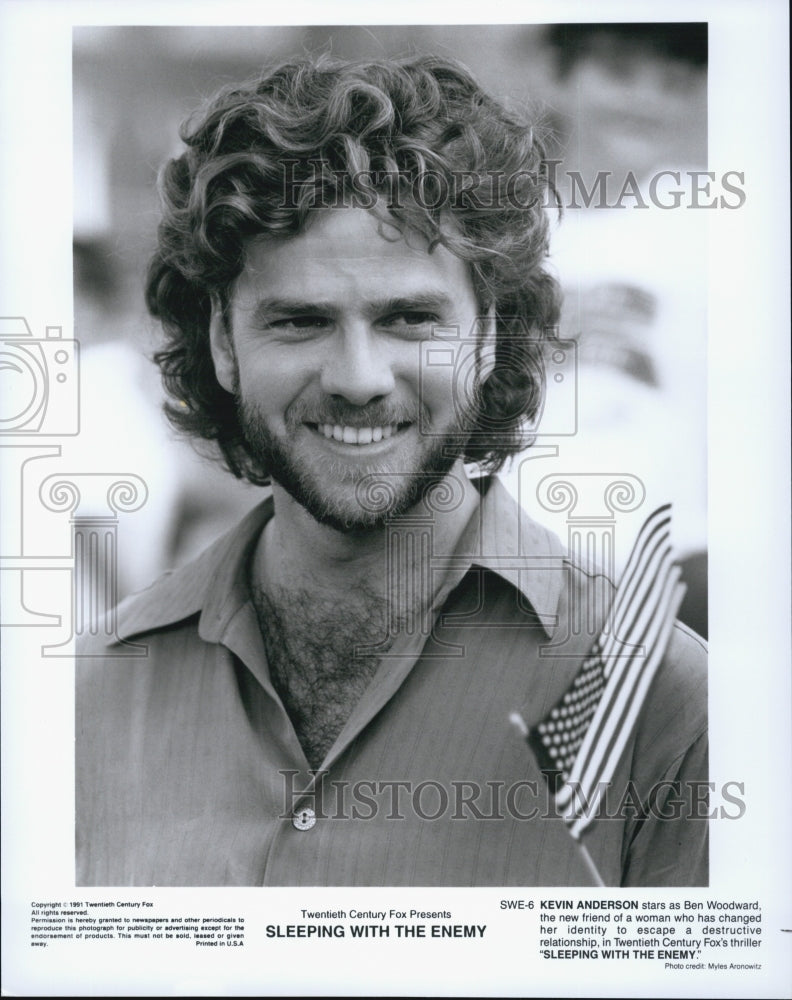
point(616, 729)
point(626, 638)
point(583, 737)
point(624, 672)
point(658, 521)
point(608, 714)
point(635, 588)
point(642, 683)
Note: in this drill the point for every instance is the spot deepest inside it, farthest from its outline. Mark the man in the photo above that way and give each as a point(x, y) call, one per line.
point(350, 274)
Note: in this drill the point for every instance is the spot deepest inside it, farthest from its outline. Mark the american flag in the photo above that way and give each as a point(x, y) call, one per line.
point(579, 742)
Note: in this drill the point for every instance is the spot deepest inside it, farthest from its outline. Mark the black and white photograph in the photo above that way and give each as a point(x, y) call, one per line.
point(389, 473)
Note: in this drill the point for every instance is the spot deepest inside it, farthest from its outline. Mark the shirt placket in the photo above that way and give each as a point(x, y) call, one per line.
point(398, 660)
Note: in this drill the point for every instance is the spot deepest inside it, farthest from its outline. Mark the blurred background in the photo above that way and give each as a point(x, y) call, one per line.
point(618, 100)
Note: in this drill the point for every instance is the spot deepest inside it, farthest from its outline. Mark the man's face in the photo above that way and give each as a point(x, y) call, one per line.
point(323, 350)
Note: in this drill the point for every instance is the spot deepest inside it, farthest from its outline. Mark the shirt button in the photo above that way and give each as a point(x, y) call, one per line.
point(303, 819)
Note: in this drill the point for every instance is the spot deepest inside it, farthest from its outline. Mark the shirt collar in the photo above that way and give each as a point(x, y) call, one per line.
point(500, 537)
point(214, 584)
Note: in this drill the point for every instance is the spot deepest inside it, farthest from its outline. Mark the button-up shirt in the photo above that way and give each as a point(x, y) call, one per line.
point(190, 773)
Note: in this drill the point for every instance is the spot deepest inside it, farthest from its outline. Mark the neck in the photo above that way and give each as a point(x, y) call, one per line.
point(297, 552)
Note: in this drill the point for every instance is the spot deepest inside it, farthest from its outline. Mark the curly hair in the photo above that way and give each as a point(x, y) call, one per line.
point(415, 139)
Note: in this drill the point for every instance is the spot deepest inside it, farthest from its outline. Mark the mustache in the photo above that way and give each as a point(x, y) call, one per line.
point(338, 411)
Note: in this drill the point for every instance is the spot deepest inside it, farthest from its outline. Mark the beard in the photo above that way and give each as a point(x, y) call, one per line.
point(361, 497)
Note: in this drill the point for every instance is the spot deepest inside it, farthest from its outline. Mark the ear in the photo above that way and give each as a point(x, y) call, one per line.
point(487, 341)
point(222, 346)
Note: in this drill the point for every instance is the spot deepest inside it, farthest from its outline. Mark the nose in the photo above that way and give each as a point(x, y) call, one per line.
point(357, 366)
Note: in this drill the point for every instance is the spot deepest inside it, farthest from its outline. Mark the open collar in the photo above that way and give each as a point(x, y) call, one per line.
point(500, 537)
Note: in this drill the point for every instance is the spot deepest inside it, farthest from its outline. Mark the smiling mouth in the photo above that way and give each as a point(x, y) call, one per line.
point(358, 435)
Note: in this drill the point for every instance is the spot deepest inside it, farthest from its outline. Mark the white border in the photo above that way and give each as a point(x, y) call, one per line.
point(749, 534)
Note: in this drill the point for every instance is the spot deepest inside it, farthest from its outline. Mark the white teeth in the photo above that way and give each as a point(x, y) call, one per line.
point(356, 435)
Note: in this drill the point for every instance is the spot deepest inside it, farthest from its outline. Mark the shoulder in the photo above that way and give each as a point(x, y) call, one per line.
point(162, 604)
point(132, 643)
point(674, 718)
point(686, 657)
point(678, 696)
point(214, 581)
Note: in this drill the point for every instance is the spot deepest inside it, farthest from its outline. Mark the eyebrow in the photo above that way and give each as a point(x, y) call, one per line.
point(424, 300)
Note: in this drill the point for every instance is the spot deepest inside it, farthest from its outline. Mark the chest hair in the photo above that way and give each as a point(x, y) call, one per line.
point(311, 644)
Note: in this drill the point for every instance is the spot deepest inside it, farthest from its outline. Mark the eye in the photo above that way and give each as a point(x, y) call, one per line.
point(307, 322)
point(411, 322)
point(302, 326)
